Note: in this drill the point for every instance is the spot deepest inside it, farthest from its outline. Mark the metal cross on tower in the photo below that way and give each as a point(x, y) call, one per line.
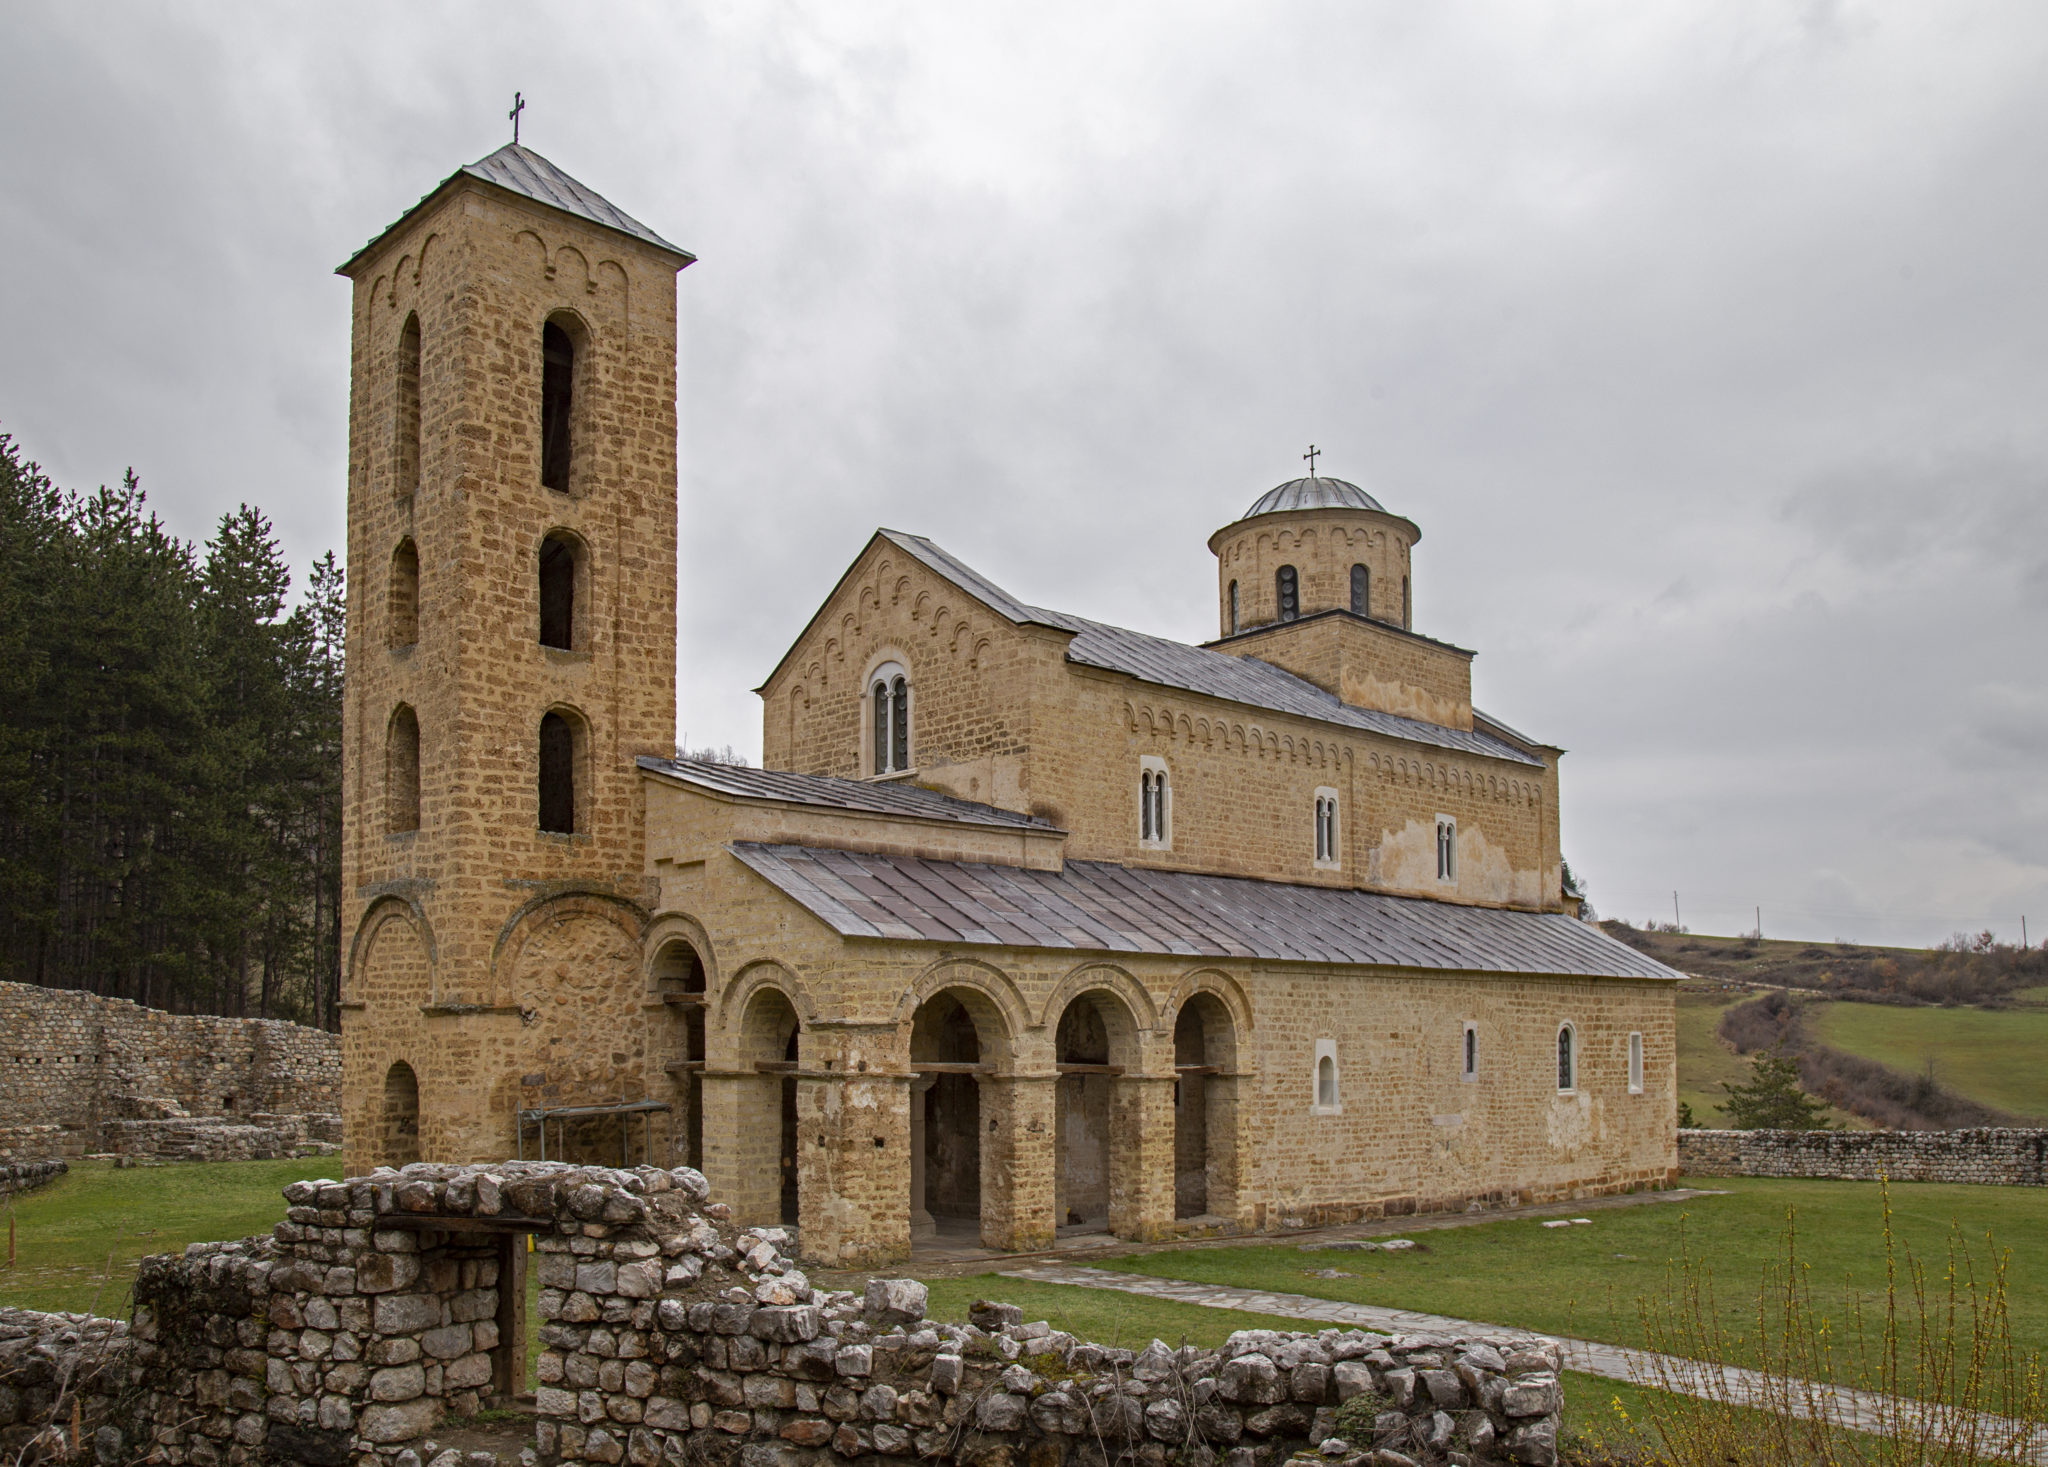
point(1311, 455)
point(518, 106)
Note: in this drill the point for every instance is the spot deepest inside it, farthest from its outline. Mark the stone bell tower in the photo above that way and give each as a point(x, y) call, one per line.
point(511, 649)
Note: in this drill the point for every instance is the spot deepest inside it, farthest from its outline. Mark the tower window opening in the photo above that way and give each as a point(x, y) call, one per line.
point(558, 592)
point(558, 374)
point(406, 427)
point(1446, 848)
point(1288, 584)
point(402, 611)
point(1233, 608)
point(1361, 591)
point(889, 709)
point(1407, 607)
point(402, 771)
point(557, 775)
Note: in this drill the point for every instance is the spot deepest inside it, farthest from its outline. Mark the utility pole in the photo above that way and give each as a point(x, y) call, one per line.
point(1759, 924)
point(1676, 920)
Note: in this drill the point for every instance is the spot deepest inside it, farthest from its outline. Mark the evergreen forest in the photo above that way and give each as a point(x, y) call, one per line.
point(170, 756)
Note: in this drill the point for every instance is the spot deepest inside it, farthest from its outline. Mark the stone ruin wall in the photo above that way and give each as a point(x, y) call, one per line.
point(386, 1305)
point(87, 1074)
point(24, 1176)
point(1987, 1156)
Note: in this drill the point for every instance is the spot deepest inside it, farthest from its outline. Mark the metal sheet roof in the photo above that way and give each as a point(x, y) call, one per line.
point(1105, 907)
point(827, 792)
point(525, 172)
point(1315, 492)
point(1248, 680)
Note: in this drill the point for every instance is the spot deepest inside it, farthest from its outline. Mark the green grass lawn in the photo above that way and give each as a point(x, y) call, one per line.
point(66, 1232)
point(1992, 1056)
point(1586, 1281)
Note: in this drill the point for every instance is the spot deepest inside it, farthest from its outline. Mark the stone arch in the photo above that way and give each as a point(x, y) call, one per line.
point(397, 1140)
point(385, 909)
point(1097, 974)
point(740, 989)
point(1099, 1110)
point(682, 971)
point(1208, 1042)
point(539, 912)
point(766, 1045)
point(1226, 989)
point(986, 979)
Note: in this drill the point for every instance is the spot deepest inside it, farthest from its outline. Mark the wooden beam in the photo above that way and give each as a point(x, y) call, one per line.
point(421, 1222)
point(951, 1067)
point(1198, 1069)
point(1066, 1069)
point(775, 1067)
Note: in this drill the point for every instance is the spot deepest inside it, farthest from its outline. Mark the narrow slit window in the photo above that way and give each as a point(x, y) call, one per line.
point(1635, 1064)
point(1361, 590)
point(402, 771)
point(1233, 608)
point(557, 775)
point(899, 723)
point(1567, 1058)
point(1471, 1054)
point(1327, 1098)
point(406, 428)
point(557, 592)
point(403, 605)
point(557, 380)
point(1407, 607)
point(1287, 584)
point(1145, 805)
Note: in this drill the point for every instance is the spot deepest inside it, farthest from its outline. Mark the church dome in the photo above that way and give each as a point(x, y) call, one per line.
point(1314, 492)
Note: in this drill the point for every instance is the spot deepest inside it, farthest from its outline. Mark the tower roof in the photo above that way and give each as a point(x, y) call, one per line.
point(522, 171)
point(1315, 492)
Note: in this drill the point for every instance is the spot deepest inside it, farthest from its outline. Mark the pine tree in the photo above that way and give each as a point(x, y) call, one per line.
point(1772, 1100)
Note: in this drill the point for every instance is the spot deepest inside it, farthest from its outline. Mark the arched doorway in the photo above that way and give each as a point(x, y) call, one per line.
point(398, 1140)
point(768, 1048)
point(1095, 1145)
point(960, 1182)
point(679, 979)
point(1204, 1110)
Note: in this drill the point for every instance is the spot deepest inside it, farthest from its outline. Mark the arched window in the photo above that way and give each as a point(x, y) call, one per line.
point(402, 771)
point(558, 591)
point(1326, 828)
point(1329, 1095)
point(402, 608)
point(1446, 848)
point(1233, 608)
point(1407, 608)
point(400, 1120)
point(1155, 803)
point(557, 379)
point(1288, 584)
point(558, 760)
point(1470, 1070)
point(1567, 1057)
point(1361, 591)
point(405, 438)
point(889, 718)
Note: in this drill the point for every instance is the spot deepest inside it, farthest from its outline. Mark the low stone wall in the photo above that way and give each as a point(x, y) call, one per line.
point(384, 1305)
point(1990, 1156)
point(72, 1061)
point(21, 1176)
point(217, 1138)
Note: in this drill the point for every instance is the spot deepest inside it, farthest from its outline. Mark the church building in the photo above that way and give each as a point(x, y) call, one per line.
point(1030, 926)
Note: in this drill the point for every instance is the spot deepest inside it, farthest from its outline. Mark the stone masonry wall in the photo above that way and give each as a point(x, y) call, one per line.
point(23, 1176)
point(1991, 1156)
point(72, 1062)
point(378, 1309)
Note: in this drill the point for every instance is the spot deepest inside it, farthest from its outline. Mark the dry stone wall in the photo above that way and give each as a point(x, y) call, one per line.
point(385, 1305)
point(84, 1073)
point(1990, 1156)
point(21, 1176)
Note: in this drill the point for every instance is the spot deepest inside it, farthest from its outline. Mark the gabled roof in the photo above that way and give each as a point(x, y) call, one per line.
point(827, 792)
point(1160, 660)
point(1104, 907)
point(524, 172)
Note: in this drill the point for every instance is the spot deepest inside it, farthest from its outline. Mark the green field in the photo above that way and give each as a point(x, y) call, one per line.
point(1996, 1057)
point(67, 1232)
point(1705, 1062)
point(1586, 1281)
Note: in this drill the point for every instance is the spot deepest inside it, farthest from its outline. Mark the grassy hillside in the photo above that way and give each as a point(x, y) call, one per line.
point(1997, 1057)
point(1705, 1060)
point(1995, 975)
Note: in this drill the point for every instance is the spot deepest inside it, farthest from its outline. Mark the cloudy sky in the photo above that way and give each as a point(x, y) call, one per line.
point(1707, 343)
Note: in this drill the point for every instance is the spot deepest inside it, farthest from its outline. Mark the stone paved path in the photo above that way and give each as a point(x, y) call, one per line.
point(1863, 1410)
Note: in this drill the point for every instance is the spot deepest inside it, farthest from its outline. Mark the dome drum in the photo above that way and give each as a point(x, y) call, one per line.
point(1312, 545)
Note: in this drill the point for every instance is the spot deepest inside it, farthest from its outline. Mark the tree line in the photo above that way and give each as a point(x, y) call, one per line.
point(170, 756)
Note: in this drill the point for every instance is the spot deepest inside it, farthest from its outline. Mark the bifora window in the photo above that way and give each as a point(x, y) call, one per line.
point(1326, 827)
point(1567, 1057)
point(1446, 848)
point(889, 718)
point(1635, 1064)
point(1361, 590)
point(1288, 584)
point(1155, 803)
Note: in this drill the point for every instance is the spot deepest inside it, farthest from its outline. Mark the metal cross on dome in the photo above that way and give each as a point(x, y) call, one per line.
point(1311, 456)
point(518, 106)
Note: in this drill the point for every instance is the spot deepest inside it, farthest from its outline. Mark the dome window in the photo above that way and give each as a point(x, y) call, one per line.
point(1361, 591)
point(1288, 584)
point(1233, 608)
